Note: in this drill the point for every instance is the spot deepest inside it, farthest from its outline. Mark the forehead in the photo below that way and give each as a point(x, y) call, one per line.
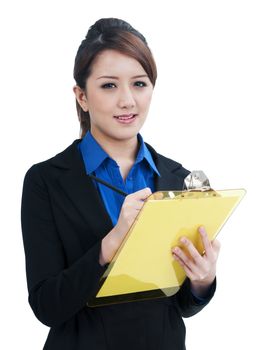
point(115, 63)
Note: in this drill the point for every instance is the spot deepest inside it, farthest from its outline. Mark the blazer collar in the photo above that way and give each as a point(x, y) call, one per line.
point(70, 158)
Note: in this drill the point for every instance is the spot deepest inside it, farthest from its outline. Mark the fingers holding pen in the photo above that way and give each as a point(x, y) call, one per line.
point(136, 199)
point(134, 202)
point(130, 209)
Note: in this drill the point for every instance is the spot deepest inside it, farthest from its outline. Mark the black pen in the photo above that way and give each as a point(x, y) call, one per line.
point(97, 179)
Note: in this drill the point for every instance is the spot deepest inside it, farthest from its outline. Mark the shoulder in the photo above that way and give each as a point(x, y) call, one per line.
point(167, 163)
point(66, 159)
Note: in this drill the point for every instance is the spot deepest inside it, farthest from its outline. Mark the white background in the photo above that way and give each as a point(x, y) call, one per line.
point(205, 113)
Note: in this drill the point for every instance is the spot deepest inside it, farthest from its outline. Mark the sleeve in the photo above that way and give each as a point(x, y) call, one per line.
point(187, 303)
point(56, 292)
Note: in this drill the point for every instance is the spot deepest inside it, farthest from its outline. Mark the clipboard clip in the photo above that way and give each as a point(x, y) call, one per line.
point(196, 181)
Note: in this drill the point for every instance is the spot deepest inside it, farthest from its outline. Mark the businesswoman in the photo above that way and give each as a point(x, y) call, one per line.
point(72, 225)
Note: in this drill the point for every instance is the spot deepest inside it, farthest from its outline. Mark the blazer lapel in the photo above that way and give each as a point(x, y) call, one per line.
point(81, 191)
point(172, 173)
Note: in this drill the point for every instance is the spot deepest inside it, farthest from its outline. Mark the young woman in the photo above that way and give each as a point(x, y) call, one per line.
point(72, 225)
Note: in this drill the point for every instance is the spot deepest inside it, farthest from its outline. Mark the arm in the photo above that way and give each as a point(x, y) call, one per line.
point(186, 302)
point(56, 291)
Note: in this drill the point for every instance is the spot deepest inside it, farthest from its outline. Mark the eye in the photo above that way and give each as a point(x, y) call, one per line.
point(112, 85)
point(108, 86)
point(140, 83)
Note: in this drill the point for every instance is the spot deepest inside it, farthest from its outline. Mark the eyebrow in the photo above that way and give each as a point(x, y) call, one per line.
point(114, 77)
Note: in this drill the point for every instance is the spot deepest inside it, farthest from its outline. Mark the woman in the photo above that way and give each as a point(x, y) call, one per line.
point(72, 225)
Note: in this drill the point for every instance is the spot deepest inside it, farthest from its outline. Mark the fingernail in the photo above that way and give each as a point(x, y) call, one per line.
point(175, 250)
point(201, 229)
point(183, 240)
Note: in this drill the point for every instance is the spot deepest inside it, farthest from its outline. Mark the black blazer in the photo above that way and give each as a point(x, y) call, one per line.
point(63, 223)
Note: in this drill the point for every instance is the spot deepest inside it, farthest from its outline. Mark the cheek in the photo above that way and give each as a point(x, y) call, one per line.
point(146, 100)
point(100, 103)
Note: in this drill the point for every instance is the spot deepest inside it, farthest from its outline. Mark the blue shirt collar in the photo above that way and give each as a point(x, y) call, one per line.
point(145, 153)
point(94, 155)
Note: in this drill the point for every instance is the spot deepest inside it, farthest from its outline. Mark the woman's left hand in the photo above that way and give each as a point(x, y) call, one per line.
point(200, 269)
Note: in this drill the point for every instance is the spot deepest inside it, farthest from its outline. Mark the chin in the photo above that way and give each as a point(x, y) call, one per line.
point(125, 135)
point(116, 133)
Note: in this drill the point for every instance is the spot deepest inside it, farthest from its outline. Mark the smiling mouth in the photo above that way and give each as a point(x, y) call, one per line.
point(125, 116)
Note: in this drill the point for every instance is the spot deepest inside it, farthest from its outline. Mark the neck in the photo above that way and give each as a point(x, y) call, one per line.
point(118, 149)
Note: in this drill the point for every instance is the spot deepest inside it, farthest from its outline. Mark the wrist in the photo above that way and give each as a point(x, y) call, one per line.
point(201, 289)
point(109, 246)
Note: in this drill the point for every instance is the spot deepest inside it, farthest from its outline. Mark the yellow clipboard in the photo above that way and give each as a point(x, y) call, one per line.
point(143, 266)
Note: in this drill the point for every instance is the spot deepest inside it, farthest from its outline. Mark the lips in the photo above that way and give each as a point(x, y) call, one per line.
point(125, 116)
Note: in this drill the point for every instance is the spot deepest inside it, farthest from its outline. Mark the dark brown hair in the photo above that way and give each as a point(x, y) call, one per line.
point(114, 34)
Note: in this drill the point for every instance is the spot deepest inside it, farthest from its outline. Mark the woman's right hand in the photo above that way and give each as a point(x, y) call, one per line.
point(129, 211)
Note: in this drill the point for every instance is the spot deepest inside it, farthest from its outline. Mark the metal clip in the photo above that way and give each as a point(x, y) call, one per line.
point(196, 181)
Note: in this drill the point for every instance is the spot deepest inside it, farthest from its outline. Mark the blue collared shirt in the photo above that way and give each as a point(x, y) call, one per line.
point(100, 164)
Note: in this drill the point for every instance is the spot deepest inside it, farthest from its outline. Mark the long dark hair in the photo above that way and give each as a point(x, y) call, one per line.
point(110, 33)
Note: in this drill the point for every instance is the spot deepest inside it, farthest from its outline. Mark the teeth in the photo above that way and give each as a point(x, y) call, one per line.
point(125, 118)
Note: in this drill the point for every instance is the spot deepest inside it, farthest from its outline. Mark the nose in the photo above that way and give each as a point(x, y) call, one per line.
point(126, 98)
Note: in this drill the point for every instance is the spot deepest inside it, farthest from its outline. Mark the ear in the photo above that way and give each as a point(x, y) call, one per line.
point(81, 97)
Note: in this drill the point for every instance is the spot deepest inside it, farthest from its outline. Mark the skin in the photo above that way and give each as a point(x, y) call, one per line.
point(129, 90)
